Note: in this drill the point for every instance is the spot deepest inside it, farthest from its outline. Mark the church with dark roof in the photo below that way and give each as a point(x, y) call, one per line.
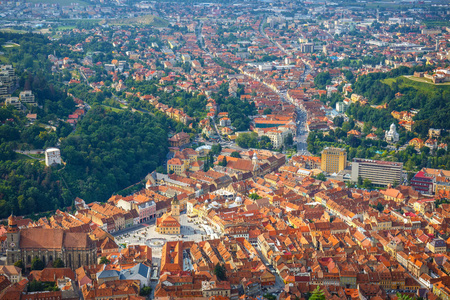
point(75, 249)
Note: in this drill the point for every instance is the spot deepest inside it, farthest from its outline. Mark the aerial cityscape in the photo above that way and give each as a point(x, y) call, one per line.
point(224, 149)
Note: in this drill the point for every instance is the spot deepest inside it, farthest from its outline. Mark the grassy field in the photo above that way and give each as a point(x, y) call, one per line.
point(427, 81)
point(142, 20)
point(65, 27)
point(114, 109)
point(3, 59)
point(434, 23)
point(12, 30)
point(60, 2)
point(422, 84)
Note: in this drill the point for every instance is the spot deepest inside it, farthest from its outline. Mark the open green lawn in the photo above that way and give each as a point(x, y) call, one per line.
point(40, 156)
point(65, 27)
point(427, 81)
point(4, 60)
point(422, 84)
point(12, 30)
point(114, 109)
point(436, 23)
point(61, 2)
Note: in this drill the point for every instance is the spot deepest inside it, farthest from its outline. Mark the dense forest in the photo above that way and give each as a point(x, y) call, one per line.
point(110, 151)
point(107, 152)
point(26, 185)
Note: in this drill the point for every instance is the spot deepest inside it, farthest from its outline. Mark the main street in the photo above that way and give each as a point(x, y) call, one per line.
point(302, 130)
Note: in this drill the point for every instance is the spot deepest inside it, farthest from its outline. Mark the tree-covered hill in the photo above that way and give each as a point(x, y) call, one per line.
point(110, 151)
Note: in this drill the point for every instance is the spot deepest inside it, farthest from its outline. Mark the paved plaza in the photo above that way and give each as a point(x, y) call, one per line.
point(147, 235)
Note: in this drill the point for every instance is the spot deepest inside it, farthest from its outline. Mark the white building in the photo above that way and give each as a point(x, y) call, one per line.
point(278, 136)
point(52, 157)
point(27, 97)
point(392, 134)
point(14, 101)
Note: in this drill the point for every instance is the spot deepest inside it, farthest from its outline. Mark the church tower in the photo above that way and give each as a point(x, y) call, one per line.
point(175, 208)
point(255, 163)
point(13, 240)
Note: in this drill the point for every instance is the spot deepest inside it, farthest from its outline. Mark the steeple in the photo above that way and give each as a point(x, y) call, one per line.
point(255, 161)
point(12, 224)
point(175, 208)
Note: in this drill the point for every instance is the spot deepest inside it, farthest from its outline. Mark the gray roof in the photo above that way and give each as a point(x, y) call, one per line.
point(135, 272)
point(107, 274)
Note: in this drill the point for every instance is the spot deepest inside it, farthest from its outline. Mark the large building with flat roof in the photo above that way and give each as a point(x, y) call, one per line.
point(379, 172)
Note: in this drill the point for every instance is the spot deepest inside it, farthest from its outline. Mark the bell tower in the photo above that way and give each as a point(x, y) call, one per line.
point(13, 240)
point(175, 211)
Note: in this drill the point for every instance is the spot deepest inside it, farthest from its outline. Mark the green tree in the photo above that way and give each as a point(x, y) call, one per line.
point(380, 207)
point(317, 294)
point(321, 176)
point(58, 263)
point(338, 121)
point(37, 264)
point(322, 79)
point(267, 111)
point(145, 291)
point(223, 163)
point(367, 184)
point(404, 297)
point(104, 260)
point(360, 181)
point(289, 140)
point(254, 196)
point(270, 297)
point(216, 149)
point(220, 272)
point(235, 154)
point(19, 264)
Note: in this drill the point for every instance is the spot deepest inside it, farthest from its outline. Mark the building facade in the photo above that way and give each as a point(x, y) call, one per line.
point(334, 160)
point(378, 172)
point(422, 183)
point(52, 157)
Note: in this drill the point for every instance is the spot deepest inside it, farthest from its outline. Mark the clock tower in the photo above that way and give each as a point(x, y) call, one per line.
point(13, 240)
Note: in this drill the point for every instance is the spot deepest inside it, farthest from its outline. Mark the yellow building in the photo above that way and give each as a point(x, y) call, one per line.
point(333, 160)
point(175, 165)
point(169, 223)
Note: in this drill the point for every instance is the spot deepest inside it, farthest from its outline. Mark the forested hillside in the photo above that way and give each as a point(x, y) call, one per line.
point(110, 151)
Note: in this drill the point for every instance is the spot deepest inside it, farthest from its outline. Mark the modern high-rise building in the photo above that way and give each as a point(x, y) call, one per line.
point(334, 160)
point(377, 171)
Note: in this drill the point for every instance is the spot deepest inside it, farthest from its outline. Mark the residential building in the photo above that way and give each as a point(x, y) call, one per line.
point(422, 183)
point(13, 273)
point(437, 246)
point(179, 140)
point(27, 97)
point(13, 101)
